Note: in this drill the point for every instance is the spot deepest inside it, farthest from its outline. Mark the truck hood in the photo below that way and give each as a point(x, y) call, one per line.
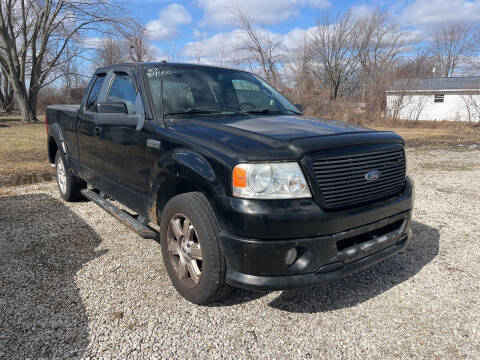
point(282, 128)
point(267, 137)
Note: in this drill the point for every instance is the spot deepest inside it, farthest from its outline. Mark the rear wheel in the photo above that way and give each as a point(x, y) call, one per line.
point(69, 185)
point(189, 236)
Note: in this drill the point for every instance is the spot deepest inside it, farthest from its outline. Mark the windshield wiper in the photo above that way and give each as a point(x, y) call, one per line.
point(261, 111)
point(206, 111)
point(271, 111)
point(192, 111)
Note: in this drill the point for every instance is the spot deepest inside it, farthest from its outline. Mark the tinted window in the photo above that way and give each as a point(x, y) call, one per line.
point(123, 89)
point(93, 97)
point(179, 97)
point(214, 90)
point(250, 94)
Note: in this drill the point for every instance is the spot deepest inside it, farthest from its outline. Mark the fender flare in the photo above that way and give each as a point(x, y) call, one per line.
point(55, 133)
point(185, 166)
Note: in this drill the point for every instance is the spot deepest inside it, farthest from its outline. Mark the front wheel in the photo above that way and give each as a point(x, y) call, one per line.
point(69, 185)
point(190, 241)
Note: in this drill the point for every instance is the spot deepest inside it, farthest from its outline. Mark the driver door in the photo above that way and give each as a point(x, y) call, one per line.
point(121, 143)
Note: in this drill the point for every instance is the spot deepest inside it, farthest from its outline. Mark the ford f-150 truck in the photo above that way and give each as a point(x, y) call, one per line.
point(247, 192)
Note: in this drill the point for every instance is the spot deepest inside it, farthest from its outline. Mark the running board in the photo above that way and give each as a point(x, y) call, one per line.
point(129, 221)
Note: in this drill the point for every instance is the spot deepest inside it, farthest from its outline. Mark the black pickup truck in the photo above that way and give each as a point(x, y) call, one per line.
point(246, 190)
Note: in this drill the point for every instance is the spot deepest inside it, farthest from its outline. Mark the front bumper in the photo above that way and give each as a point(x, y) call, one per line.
point(258, 263)
point(330, 271)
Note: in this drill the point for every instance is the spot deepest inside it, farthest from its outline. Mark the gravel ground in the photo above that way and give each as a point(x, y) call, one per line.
point(76, 283)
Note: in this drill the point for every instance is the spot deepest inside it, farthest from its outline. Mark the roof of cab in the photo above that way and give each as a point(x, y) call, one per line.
point(159, 63)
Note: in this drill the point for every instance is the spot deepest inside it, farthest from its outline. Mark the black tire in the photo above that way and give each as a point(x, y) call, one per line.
point(69, 188)
point(197, 209)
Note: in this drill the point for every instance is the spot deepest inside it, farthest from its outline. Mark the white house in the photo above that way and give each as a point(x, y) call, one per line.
point(451, 98)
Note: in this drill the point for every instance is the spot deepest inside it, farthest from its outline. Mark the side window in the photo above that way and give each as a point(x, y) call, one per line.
point(123, 89)
point(93, 96)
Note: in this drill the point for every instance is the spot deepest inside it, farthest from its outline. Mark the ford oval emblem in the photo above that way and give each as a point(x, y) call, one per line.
point(372, 175)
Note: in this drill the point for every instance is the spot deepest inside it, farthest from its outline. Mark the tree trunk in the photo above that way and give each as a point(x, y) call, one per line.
point(20, 93)
point(6, 102)
point(27, 114)
point(336, 88)
point(32, 101)
point(9, 103)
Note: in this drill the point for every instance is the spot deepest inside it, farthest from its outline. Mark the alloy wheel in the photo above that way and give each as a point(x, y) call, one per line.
point(184, 250)
point(61, 176)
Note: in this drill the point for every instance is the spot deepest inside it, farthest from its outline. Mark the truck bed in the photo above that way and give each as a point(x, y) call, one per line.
point(62, 107)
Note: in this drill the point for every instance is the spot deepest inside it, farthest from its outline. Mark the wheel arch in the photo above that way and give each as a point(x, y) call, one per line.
point(52, 149)
point(187, 171)
point(55, 142)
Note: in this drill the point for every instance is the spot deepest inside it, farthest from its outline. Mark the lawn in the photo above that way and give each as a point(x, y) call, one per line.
point(23, 150)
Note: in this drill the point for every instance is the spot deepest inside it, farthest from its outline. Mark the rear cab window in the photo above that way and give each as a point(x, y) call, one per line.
point(94, 91)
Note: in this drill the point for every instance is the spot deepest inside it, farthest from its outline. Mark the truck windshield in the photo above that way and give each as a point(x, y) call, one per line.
point(209, 91)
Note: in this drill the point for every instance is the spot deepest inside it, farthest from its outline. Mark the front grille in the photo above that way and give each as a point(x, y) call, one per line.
point(342, 179)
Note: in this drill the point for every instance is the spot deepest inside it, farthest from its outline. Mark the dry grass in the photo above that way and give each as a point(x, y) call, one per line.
point(14, 119)
point(416, 133)
point(436, 136)
point(23, 152)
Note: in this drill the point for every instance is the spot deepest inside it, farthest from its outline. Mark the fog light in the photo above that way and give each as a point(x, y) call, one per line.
point(291, 256)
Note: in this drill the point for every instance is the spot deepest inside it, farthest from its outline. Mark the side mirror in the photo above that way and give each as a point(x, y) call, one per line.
point(112, 107)
point(299, 107)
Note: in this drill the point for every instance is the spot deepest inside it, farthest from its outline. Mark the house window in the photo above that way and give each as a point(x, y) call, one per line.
point(439, 98)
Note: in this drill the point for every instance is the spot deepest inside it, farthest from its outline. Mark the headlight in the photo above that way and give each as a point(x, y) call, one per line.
point(269, 181)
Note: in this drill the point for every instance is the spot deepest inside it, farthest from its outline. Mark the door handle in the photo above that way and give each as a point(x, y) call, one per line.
point(98, 130)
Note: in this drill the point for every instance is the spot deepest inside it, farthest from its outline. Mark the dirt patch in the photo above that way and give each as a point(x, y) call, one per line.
point(27, 179)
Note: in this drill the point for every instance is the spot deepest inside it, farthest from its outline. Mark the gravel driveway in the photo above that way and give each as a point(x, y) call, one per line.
point(76, 283)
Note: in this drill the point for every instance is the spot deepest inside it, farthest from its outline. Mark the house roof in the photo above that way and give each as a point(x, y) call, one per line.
point(437, 84)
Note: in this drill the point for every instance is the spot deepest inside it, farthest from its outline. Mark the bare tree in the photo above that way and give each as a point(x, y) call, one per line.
point(140, 48)
point(6, 94)
point(221, 53)
point(377, 45)
point(474, 59)
point(472, 107)
point(198, 51)
point(34, 35)
point(73, 79)
point(299, 73)
point(416, 104)
point(420, 65)
point(450, 45)
point(111, 51)
point(172, 52)
point(261, 47)
point(334, 58)
point(397, 104)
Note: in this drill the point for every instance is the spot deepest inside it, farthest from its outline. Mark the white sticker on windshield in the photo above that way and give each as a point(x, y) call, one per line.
point(156, 72)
